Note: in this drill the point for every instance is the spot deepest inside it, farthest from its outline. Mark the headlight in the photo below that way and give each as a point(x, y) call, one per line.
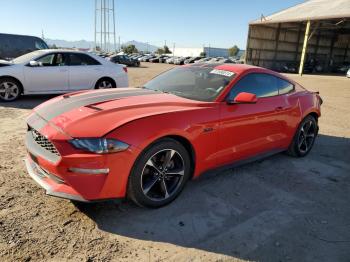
point(99, 145)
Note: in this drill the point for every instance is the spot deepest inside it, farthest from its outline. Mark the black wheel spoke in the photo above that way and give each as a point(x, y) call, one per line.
point(307, 127)
point(306, 136)
point(172, 173)
point(149, 185)
point(168, 156)
point(164, 188)
point(301, 141)
point(305, 144)
point(152, 164)
point(311, 135)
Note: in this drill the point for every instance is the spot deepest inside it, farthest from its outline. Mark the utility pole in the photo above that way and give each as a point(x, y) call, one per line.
point(173, 50)
point(303, 53)
point(119, 43)
point(95, 45)
point(105, 24)
point(101, 12)
point(108, 32)
point(114, 41)
point(164, 42)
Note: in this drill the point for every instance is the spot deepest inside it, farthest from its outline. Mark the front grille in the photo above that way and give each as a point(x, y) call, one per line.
point(44, 142)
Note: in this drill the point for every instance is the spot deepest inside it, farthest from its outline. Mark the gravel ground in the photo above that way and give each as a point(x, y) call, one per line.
point(277, 209)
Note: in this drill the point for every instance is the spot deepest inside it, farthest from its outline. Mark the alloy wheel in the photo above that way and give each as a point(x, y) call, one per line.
point(307, 136)
point(162, 175)
point(105, 84)
point(9, 91)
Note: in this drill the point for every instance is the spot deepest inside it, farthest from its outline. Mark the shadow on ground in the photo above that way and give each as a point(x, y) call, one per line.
point(277, 209)
point(27, 102)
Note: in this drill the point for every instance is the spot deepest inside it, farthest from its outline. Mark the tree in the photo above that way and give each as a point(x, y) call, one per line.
point(53, 46)
point(164, 50)
point(233, 50)
point(203, 54)
point(130, 49)
point(160, 51)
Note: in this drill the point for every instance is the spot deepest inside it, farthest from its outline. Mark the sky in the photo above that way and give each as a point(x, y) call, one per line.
point(188, 23)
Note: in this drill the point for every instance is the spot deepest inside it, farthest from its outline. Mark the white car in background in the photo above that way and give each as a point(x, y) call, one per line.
point(348, 73)
point(58, 71)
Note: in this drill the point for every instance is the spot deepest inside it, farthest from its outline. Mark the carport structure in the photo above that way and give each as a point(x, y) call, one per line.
point(317, 30)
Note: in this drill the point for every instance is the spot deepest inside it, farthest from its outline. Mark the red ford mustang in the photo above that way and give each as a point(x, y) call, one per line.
point(145, 143)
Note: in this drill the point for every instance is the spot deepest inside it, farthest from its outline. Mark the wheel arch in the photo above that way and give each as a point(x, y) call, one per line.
point(184, 142)
point(189, 147)
point(313, 114)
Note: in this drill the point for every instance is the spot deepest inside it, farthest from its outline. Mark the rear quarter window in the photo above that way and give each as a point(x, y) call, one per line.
point(284, 87)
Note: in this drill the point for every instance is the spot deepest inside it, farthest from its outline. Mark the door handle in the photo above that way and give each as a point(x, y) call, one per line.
point(279, 108)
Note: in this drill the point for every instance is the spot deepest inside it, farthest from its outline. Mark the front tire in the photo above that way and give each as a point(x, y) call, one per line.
point(304, 138)
point(159, 174)
point(10, 89)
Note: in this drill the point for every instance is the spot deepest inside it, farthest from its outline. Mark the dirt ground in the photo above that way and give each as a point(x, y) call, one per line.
point(277, 209)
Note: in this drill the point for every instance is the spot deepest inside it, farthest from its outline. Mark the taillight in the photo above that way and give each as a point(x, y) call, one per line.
point(125, 69)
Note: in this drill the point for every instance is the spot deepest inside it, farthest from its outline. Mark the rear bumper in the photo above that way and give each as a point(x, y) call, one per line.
point(53, 185)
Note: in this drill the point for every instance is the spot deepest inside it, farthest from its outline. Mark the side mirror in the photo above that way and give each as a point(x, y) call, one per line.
point(244, 98)
point(34, 63)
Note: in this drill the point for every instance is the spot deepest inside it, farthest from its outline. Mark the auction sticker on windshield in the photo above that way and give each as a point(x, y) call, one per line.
point(222, 72)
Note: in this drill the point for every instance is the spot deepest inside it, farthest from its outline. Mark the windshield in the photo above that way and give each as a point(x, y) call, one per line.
point(26, 58)
point(197, 83)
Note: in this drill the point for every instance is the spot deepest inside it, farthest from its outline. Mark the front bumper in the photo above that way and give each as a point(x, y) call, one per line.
point(78, 175)
point(53, 185)
point(67, 172)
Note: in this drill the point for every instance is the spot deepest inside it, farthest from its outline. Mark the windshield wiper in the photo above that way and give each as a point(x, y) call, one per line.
point(173, 92)
point(163, 91)
point(156, 90)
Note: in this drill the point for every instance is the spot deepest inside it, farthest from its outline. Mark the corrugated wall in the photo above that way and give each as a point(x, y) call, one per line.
point(273, 45)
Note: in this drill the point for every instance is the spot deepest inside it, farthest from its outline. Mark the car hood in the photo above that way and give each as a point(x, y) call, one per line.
point(96, 113)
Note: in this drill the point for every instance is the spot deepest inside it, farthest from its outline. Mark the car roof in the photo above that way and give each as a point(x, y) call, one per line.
point(61, 51)
point(235, 68)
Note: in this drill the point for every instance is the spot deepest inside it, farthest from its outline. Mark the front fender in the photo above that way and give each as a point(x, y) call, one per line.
point(191, 125)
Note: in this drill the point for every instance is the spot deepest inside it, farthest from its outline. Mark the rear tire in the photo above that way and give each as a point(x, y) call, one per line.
point(10, 89)
point(304, 137)
point(105, 83)
point(159, 174)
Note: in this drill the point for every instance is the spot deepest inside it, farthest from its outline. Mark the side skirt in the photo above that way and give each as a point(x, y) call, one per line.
point(214, 171)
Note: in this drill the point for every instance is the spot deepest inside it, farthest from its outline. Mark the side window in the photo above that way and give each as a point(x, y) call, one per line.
point(284, 87)
point(60, 60)
point(52, 60)
point(262, 85)
point(47, 60)
point(81, 59)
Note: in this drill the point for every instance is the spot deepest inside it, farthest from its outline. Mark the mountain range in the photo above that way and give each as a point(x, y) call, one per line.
point(90, 44)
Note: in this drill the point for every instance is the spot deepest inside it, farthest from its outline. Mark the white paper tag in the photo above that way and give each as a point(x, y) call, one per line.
point(222, 72)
